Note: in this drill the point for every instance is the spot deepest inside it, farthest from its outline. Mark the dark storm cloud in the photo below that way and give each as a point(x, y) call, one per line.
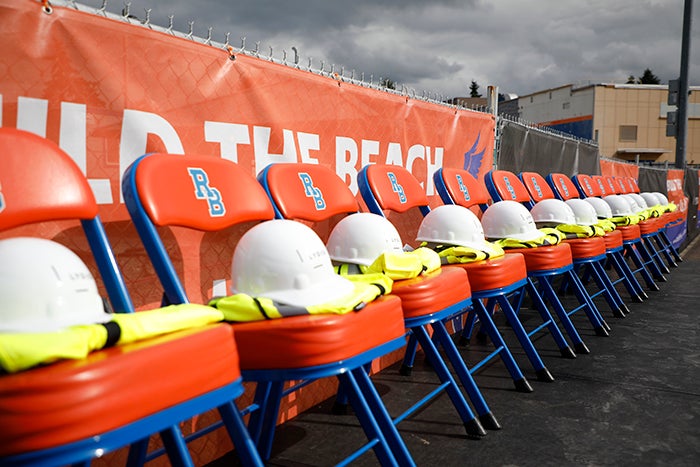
point(440, 46)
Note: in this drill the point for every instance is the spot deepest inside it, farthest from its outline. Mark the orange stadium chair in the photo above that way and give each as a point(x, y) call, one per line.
point(314, 193)
point(457, 186)
point(635, 248)
point(565, 188)
point(547, 263)
point(585, 251)
point(71, 411)
point(210, 195)
point(665, 244)
point(389, 188)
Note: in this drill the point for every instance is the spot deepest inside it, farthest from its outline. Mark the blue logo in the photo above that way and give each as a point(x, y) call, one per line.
point(602, 188)
point(312, 192)
point(473, 158)
point(202, 190)
point(589, 188)
point(2, 200)
point(463, 188)
point(396, 188)
point(537, 188)
point(510, 188)
point(564, 188)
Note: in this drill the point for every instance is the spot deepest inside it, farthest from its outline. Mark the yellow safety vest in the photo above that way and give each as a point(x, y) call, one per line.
point(458, 254)
point(551, 237)
point(396, 265)
point(242, 307)
point(626, 220)
point(580, 231)
point(606, 224)
point(19, 351)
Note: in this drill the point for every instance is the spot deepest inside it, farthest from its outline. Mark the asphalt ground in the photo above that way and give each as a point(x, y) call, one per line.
point(633, 401)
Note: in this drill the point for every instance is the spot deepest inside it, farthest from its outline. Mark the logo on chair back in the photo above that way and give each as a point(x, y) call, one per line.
point(602, 188)
point(202, 190)
point(396, 187)
point(589, 188)
point(510, 188)
point(564, 189)
point(312, 192)
point(537, 188)
point(463, 188)
point(2, 200)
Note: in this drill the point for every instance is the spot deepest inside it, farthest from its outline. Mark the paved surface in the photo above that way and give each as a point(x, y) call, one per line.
point(634, 400)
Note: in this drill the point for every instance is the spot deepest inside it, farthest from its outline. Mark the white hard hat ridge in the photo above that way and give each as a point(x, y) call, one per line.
point(455, 225)
point(286, 261)
point(509, 219)
point(361, 238)
point(44, 286)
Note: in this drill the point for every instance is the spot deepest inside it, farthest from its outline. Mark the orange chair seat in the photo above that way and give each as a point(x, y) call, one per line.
point(432, 292)
point(545, 257)
point(649, 226)
point(309, 340)
point(630, 232)
point(582, 248)
point(495, 273)
point(72, 400)
point(613, 239)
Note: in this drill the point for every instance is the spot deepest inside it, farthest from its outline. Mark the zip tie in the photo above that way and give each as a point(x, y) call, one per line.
point(231, 55)
point(46, 7)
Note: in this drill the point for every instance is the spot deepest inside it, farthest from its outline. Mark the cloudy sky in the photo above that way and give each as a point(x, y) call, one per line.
point(440, 46)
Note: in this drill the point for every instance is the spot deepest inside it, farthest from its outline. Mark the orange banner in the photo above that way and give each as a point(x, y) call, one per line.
point(106, 102)
point(610, 168)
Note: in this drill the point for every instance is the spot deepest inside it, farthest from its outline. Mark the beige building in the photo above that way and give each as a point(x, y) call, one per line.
point(627, 120)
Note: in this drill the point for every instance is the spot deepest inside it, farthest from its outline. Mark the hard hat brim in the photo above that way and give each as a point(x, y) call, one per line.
point(332, 288)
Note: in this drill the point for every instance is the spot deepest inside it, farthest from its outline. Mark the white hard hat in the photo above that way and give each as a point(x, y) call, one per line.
point(633, 202)
point(361, 238)
point(639, 199)
point(285, 261)
point(584, 212)
point(509, 219)
point(619, 205)
point(45, 287)
point(602, 208)
point(651, 199)
point(663, 200)
point(452, 224)
point(552, 211)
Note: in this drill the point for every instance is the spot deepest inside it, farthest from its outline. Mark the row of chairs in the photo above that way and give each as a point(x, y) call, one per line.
point(40, 183)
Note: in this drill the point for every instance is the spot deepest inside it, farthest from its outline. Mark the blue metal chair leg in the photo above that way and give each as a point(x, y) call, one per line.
point(471, 424)
point(176, 447)
point(547, 291)
point(409, 356)
point(245, 447)
point(486, 417)
point(374, 419)
point(487, 324)
point(541, 306)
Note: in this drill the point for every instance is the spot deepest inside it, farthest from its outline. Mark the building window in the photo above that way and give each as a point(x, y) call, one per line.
point(595, 135)
point(566, 105)
point(628, 132)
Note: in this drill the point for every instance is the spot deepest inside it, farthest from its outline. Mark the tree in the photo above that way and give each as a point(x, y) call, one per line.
point(474, 89)
point(387, 83)
point(648, 77)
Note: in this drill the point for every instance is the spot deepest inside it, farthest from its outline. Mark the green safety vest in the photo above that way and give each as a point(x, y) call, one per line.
point(242, 307)
point(19, 351)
